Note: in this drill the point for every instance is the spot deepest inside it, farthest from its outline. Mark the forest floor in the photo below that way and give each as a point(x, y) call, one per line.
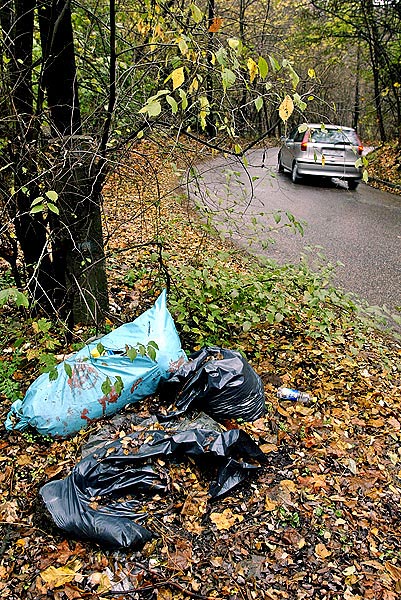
point(321, 519)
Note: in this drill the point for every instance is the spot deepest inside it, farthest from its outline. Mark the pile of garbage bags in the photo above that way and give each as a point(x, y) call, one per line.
point(91, 503)
point(216, 381)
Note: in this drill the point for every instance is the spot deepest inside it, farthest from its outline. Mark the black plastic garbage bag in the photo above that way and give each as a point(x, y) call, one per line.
point(219, 382)
point(91, 503)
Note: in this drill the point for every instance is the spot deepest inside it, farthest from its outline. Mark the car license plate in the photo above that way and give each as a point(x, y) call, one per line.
point(333, 153)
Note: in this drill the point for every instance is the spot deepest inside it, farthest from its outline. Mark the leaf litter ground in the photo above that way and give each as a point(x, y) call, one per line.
point(322, 518)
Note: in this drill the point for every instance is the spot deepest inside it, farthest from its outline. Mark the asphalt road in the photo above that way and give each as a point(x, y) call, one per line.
point(359, 229)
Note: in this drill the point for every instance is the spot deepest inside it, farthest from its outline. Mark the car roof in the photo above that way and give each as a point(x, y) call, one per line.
point(327, 126)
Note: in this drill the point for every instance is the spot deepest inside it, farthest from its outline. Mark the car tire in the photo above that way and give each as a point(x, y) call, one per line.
point(353, 184)
point(280, 164)
point(294, 173)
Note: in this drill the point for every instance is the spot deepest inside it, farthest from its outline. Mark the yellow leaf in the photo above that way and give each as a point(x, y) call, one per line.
point(311, 73)
point(321, 551)
point(225, 520)
point(270, 505)
point(252, 68)
point(286, 108)
point(194, 86)
point(178, 77)
point(56, 577)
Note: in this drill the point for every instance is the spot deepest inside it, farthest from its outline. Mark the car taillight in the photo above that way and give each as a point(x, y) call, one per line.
point(304, 143)
point(360, 149)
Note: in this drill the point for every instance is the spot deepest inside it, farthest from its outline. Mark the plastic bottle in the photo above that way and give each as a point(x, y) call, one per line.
point(289, 394)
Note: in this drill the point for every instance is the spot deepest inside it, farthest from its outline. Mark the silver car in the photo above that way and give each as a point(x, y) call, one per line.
point(322, 150)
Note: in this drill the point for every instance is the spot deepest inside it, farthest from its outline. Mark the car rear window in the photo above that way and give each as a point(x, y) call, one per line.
point(333, 136)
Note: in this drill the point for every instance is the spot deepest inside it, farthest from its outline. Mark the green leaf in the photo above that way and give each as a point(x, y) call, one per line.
point(173, 104)
point(274, 63)
point(153, 344)
point(100, 348)
point(246, 326)
point(151, 353)
point(13, 294)
point(153, 108)
point(118, 385)
point(36, 209)
point(258, 103)
point(68, 369)
point(294, 76)
point(184, 99)
point(228, 78)
point(299, 102)
point(263, 67)
point(53, 374)
point(106, 386)
point(197, 14)
point(221, 56)
point(53, 208)
point(52, 195)
point(183, 46)
point(21, 299)
point(132, 353)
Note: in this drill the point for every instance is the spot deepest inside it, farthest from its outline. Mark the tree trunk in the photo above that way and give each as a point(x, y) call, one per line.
point(77, 239)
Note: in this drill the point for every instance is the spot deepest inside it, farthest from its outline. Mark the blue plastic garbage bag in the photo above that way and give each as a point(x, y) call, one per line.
point(64, 406)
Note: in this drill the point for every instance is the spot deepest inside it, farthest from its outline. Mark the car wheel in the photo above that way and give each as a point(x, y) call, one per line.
point(294, 174)
point(280, 164)
point(353, 184)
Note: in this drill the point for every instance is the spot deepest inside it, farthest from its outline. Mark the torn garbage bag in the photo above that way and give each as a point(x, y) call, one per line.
point(91, 503)
point(90, 386)
point(219, 382)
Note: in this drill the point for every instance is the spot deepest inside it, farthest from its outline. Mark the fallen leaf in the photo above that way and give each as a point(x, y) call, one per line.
point(101, 580)
point(393, 570)
point(56, 577)
point(321, 551)
point(270, 504)
point(225, 520)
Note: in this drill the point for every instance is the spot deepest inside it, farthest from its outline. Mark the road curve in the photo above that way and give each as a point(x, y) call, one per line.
point(359, 229)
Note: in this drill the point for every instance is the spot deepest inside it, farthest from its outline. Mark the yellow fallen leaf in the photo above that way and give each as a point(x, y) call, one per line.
point(270, 504)
point(58, 576)
point(321, 551)
point(288, 484)
point(226, 519)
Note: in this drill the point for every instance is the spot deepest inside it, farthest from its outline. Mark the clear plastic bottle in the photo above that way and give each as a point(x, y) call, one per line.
point(289, 394)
